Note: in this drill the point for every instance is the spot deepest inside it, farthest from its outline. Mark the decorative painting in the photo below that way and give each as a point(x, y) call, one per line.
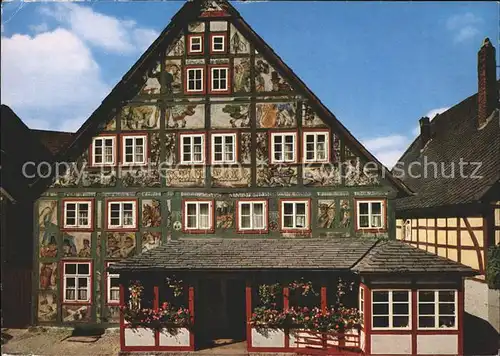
point(151, 213)
point(321, 176)
point(47, 214)
point(185, 177)
point(187, 116)
point(345, 214)
point(237, 43)
point(140, 177)
point(276, 176)
point(225, 214)
point(98, 295)
point(348, 153)
point(111, 125)
point(99, 179)
point(274, 115)
point(177, 48)
point(153, 84)
point(267, 79)
point(144, 117)
point(170, 152)
point(231, 177)
point(310, 118)
point(230, 115)
point(262, 148)
point(47, 307)
point(218, 26)
point(77, 244)
point(246, 148)
point(48, 275)
point(112, 314)
point(48, 244)
point(196, 27)
point(358, 175)
point(326, 214)
point(154, 148)
point(99, 244)
point(241, 75)
point(76, 313)
point(335, 148)
point(150, 240)
point(173, 76)
point(120, 244)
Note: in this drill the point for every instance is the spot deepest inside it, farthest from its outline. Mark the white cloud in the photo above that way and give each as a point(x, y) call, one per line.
point(431, 115)
point(43, 27)
point(464, 26)
point(387, 149)
point(100, 30)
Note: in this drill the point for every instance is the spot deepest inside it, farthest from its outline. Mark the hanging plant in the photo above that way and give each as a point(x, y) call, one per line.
point(135, 290)
point(342, 288)
point(305, 287)
point(175, 285)
point(269, 292)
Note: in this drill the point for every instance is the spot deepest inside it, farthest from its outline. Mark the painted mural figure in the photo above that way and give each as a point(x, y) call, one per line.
point(141, 117)
point(173, 77)
point(278, 83)
point(177, 115)
point(237, 44)
point(261, 67)
point(345, 214)
point(150, 240)
point(224, 215)
point(69, 246)
point(326, 214)
point(47, 308)
point(121, 245)
point(48, 275)
point(238, 114)
point(151, 215)
point(85, 251)
point(49, 250)
point(153, 85)
point(242, 75)
point(276, 115)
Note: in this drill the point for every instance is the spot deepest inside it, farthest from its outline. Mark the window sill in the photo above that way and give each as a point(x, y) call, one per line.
point(77, 229)
point(198, 231)
point(120, 229)
point(252, 231)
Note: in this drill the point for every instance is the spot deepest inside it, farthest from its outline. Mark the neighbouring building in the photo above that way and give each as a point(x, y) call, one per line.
point(457, 215)
point(211, 179)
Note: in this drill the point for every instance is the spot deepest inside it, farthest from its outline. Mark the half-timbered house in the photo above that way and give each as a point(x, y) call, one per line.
point(211, 174)
point(453, 166)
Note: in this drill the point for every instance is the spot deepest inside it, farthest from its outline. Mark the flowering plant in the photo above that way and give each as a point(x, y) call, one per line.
point(269, 292)
point(164, 317)
point(306, 287)
point(176, 285)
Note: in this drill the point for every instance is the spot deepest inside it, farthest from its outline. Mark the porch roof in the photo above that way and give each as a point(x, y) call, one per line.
point(356, 254)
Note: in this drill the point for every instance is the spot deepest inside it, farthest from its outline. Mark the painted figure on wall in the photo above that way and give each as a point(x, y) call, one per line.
point(150, 240)
point(142, 117)
point(345, 213)
point(151, 213)
point(242, 77)
point(47, 307)
point(48, 275)
point(231, 177)
point(177, 49)
point(49, 249)
point(183, 116)
point(309, 117)
point(69, 246)
point(225, 213)
point(152, 85)
point(272, 115)
point(120, 245)
point(276, 176)
point(47, 217)
point(173, 80)
point(326, 214)
point(267, 79)
point(85, 251)
point(238, 43)
point(262, 148)
point(170, 153)
point(75, 313)
point(246, 148)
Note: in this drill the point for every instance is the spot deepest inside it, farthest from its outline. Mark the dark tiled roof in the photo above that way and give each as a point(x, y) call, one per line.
point(53, 140)
point(454, 136)
point(399, 257)
point(306, 254)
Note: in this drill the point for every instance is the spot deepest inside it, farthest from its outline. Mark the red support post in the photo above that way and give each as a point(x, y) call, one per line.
point(122, 320)
point(156, 306)
point(286, 298)
point(248, 301)
point(368, 320)
point(414, 321)
point(324, 300)
point(460, 320)
point(191, 313)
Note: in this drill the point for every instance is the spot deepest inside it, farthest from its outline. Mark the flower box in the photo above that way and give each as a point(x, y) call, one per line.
point(139, 337)
point(351, 338)
point(268, 337)
point(175, 337)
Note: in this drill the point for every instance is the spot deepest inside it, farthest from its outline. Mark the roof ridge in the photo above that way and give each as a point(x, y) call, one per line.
point(376, 242)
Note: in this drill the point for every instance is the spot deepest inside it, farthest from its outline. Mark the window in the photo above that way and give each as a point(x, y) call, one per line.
point(370, 214)
point(283, 147)
point(113, 287)
point(198, 215)
point(194, 80)
point(122, 214)
point(195, 44)
point(437, 309)
point(252, 215)
point(218, 43)
point(134, 149)
point(103, 151)
point(362, 304)
point(77, 214)
point(316, 146)
point(224, 148)
point(219, 79)
point(192, 148)
point(391, 309)
point(295, 215)
point(76, 280)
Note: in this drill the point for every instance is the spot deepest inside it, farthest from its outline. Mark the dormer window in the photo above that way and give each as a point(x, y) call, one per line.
point(195, 44)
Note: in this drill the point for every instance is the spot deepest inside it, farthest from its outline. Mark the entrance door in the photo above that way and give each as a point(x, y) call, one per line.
point(220, 312)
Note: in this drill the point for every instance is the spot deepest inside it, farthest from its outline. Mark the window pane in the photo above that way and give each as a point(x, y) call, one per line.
point(70, 282)
point(191, 209)
point(114, 282)
point(426, 309)
point(301, 208)
point(82, 282)
point(245, 222)
point(400, 308)
point(288, 221)
point(376, 208)
point(426, 322)
point(376, 221)
point(70, 268)
point(446, 321)
point(258, 222)
point(400, 296)
point(82, 294)
point(218, 140)
point(380, 296)
point(363, 221)
point(191, 221)
point(83, 268)
point(204, 209)
point(70, 294)
point(380, 309)
point(288, 208)
point(258, 209)
point(400, 321)
point(300, 221)
point(446, 296)
point(447, 308)
point(115, 295)
point(380, 321)
point(245, 209)
point(363, 208)
point(426, 296)
point(204, 223)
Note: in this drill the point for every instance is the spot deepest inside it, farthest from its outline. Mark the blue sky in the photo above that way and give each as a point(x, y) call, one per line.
point(378, 66)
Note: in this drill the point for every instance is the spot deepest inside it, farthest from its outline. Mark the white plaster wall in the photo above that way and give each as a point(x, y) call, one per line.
point(181, 338)
point(437, 344)
point(362, 340)
point(391, 344)
point(139, 337)
point(476, 298)
point(494, 308)
point(273, 338)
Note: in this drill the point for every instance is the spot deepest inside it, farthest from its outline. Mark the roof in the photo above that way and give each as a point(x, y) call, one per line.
point(454, 137)
point(18, 146)
point(398, 257)
point(126, 89)
point(53, 140)
point(340, 254)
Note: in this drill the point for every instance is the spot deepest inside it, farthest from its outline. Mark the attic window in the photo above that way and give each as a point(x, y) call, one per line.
point(194, 80)
point(370, 214)
point(219, 79)
point(316, 146)
point(218, 43)
point(195, 44)
point(134, 149)
point(103, 151)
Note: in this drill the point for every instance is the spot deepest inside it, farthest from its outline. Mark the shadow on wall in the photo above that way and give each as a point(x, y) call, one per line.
point(480, 338)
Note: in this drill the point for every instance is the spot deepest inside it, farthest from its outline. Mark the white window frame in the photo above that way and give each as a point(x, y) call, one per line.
point(294, 150)
point(121, 225)
point(436, 309)
point(223, 44)
point(315, 134)
point(370, 202)
point(212, 69)
point(103, 154)
point(362, 304)
point(192, 136)
point(264, 215)
point(191, 44)
point(202, 81)
point(134, 147)
point(391, 314)
point(76, 276)
point(77, 210)
point(210, 215)
point(294, 214)
point(224, 136)
point(110, 276)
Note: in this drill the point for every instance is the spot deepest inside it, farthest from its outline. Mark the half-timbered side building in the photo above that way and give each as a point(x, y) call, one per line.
point(455, 174)
point(214, 174)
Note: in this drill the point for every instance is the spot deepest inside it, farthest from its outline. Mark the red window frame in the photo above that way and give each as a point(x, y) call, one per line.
point(308, 216)
point(228, 79)
point(123, 136)
point(91, 151)
point(91, 281)
point(121, 200)
point(328, 147)
point(77, 200)
point(384, 214)
point(218, 34)
point(188, 44)
point(211, 230)
point(203, 79)
point(266, 216)
point(271, 145)
point(107, 301)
